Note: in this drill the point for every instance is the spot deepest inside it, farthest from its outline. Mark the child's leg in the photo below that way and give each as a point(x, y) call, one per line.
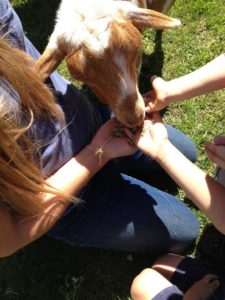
point(150, 284)
point(167, 264)
point(194, 278)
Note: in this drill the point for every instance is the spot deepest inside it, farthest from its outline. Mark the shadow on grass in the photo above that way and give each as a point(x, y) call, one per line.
point(48, 269)
point(152, 64)
point(38, 18)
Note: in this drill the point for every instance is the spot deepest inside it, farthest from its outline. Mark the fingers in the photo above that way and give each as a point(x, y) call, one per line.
point(151, 94)
point(155, 99)
point(219, 140)
point(211, 282)
point(153, 78)
point(157, 82)
point(141, 131)
point(218, 150)
point(216, 153)
point(129, 133)
point(220, 162)
point(148, 98)
point(156, 118)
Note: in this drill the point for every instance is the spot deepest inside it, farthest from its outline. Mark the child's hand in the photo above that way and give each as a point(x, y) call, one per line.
point(216, 151)
point(151, 137)
point(157, 98)
point(112, 146)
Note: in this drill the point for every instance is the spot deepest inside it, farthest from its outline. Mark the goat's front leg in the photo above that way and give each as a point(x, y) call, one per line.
point(162, 6)
point(48, 62)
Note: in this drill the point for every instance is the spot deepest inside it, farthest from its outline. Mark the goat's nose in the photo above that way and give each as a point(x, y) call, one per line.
point(136, 122)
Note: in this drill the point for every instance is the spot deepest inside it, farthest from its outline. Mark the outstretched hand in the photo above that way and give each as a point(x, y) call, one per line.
point(151, 137)
point(112, 145)
point(216, 151)
point(156, 98)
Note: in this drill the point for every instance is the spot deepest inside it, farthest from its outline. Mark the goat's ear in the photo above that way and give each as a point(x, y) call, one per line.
point(146, 18)
point(48, 62)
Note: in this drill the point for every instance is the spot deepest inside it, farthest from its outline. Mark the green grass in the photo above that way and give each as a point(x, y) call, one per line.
point(47, 269)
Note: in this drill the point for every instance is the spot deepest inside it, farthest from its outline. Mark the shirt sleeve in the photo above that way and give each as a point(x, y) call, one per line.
point(10, 26)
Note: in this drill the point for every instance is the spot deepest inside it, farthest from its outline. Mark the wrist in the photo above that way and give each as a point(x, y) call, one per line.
point(98, 153)
point(163, 152)
point(172, 93)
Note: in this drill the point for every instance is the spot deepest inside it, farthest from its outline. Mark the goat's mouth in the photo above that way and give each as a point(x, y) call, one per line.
point(130, 119)
point(131, 111)
point(119, 132)
point(135, 125)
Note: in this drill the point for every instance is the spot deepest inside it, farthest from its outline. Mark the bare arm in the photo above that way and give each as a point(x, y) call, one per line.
point(16, 231)
point(202, 189)
point(209, 78)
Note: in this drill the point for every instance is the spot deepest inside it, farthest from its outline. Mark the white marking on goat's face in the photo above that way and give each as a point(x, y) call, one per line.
point(127, 84)
point(85, 23)
point(111, 70)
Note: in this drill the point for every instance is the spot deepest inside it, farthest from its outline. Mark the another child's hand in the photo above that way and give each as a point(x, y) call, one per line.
point(158, 96)
point(216, 151)
point(152, 136)
point(111, 145)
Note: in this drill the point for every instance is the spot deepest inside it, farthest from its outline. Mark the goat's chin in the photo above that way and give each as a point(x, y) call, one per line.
point(132, 123)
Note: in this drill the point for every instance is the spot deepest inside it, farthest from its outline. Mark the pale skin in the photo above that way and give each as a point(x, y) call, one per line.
point(208, 78)
point(204, 191)
point(16, 231)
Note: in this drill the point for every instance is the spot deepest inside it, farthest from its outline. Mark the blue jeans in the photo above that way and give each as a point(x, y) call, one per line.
point(121, 212)
point(118, 211)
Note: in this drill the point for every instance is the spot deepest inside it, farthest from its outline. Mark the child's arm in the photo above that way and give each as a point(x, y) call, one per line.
point(16, 231)
point(209, 78)
point(202, 189)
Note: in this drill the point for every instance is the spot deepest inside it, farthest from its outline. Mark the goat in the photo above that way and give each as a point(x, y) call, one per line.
point(101, 42)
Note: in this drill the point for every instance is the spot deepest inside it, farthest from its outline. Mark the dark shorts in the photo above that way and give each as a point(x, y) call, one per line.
point(188, 272)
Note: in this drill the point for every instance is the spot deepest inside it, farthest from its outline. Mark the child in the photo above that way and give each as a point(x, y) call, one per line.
point(202, 282)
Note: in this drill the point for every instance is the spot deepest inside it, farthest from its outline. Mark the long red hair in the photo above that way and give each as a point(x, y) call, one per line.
point(21, 180)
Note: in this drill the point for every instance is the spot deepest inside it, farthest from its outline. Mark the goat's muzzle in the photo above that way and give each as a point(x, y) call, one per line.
point(130, 112)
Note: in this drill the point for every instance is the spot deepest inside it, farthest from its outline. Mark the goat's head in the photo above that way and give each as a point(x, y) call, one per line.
point(107, 57)
point(112, 73)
